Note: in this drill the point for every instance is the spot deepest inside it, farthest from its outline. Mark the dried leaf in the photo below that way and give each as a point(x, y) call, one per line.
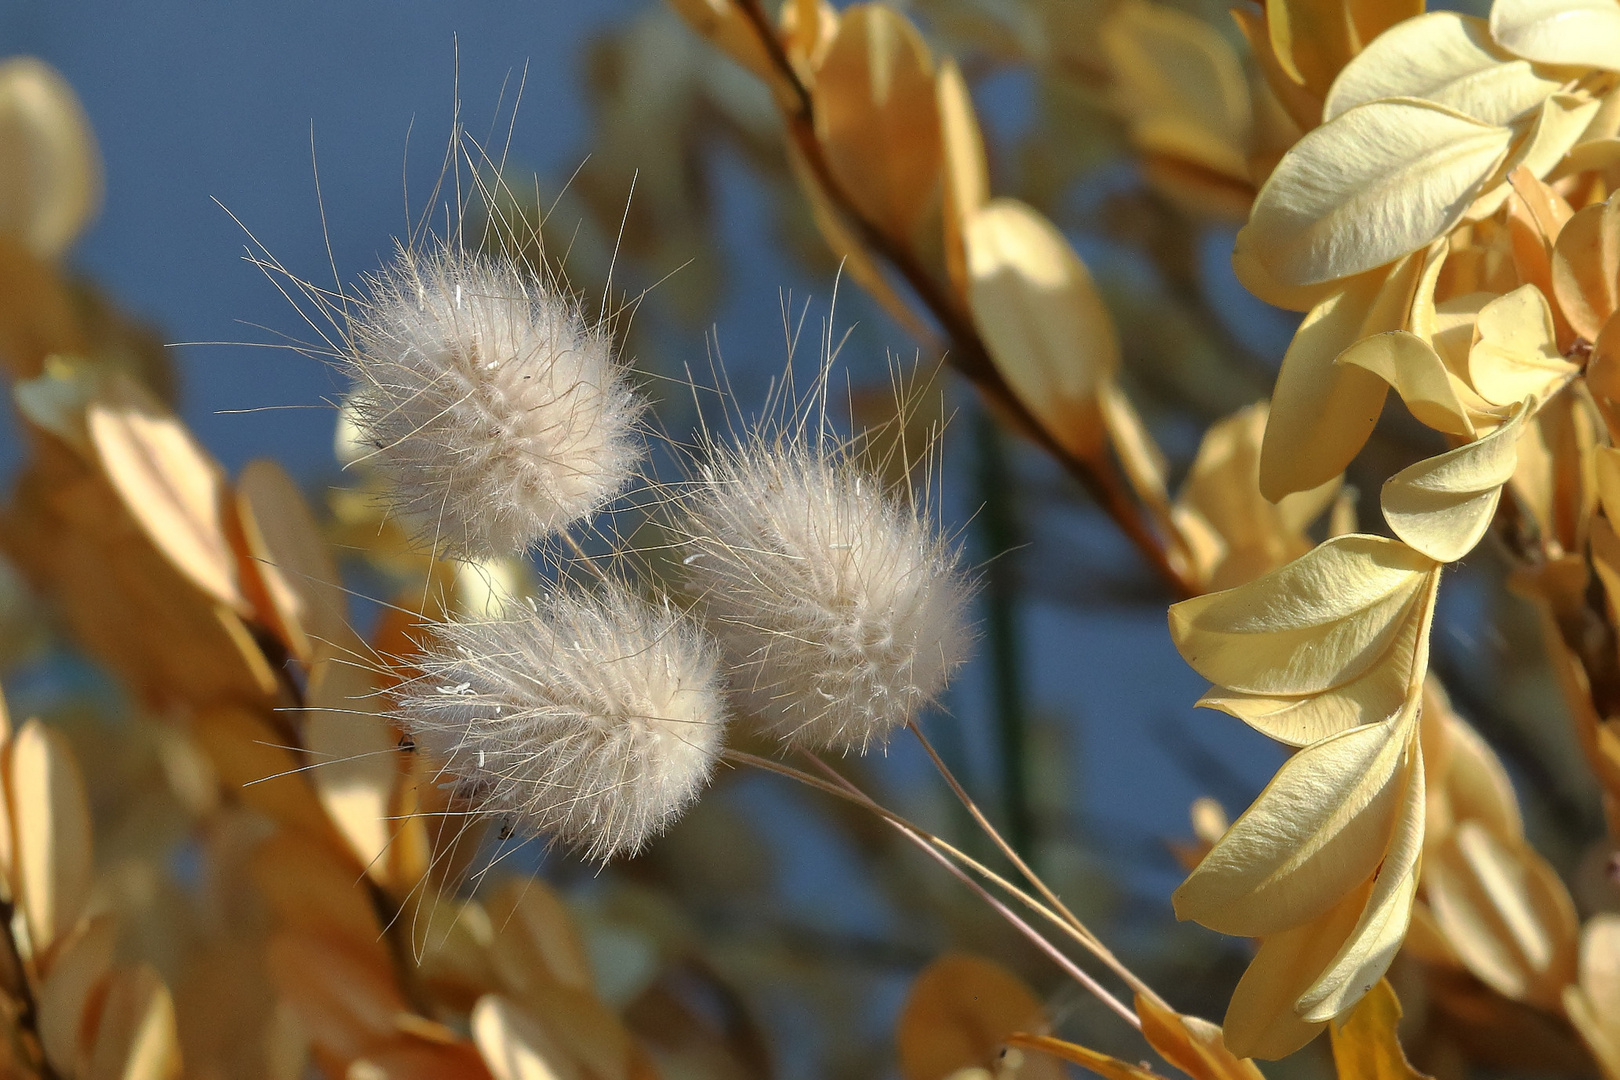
point(535, 938)
point(1559, 123)
point(305, 597)
point(347, 1003)
point(1593, 1006)
point(1586, 265)
point(1041, 318)
point(356, 757)
point(723, 23)
point(1446, 58)
point(958, 1015)
point(1364, 1043)
point(51, 816)
point(136, 1038)
point(1315, 624)
point(1414, 369)
point(1584, 33)
point(1443, 505)
point(168, 483)
point(50, 186)
point(1379, 181)
point(1104, 1065)
point(877, 118)
point(1192, 1044)
point(66, 1020)
point(967, 174)
point(1516, 353)
point(515, 1046)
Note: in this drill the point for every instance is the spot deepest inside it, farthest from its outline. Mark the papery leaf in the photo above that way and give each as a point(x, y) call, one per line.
point(50, 184)
point(76, 976)
point(1586, 266)
point(1446, 58)
point(1364, 1043)
point(1516, 355)
point(1318, 830)
point(1593, 1006)
point(1041, 318)
point(51, 817)
point(1415, 370)
point(877, 118)
point(1443, 505)
point(514, 1044)
point(1379, 181)
point(355, 757)
point(1191, 1043)
point(1506, 913)
point(136, 1035)
point(958, 1015)
point(1473, 782)
point(723, 24)
point(535, 938)
point(1562, 119)
point(1104, 1065)
point(1317, 623)
point(1584, 33)
point(303, 594)
point(1170, 64)
point(1367, 953)
point(168, 484)
point(967, 174)
point(346, 999)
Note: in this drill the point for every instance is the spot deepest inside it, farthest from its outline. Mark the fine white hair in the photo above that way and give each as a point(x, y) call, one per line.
point(840, 609)
point(497, 412)
point(592, 717)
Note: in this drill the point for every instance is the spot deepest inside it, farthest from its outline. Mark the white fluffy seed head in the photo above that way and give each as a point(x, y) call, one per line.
point(592, 718)
point(498, 414)
point(841, 612)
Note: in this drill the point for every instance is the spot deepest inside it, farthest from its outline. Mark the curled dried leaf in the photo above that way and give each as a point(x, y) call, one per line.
point(1364, 1043)
point(1443, 505)
point(1576, 32)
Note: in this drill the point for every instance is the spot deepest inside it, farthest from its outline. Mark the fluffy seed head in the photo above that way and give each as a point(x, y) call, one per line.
point(498, 414)
point(840, 611)
point(593, 718)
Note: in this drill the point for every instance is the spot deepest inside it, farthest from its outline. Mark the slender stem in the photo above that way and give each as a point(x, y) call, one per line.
point(999, 527)
point(1101, 951)
point(967, 353)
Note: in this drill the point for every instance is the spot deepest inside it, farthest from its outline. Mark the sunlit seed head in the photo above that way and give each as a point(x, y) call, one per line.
point(840, 610)
point(591, 718)
point(498, 414)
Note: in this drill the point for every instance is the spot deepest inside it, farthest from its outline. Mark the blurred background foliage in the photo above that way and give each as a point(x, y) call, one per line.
point(783, 929)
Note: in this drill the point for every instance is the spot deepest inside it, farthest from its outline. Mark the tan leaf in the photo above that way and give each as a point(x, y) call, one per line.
point(1559, 123)
point(1317, 623)
point(1585, 33)
point(1364, 1043)
point(356, 757)
point(66, 1019)
point(1443, 505)
point(1445, 58)
point(515, 1046)
point(1586, 266)
point(1104, 1065)
point(1516, 353)
point(346, 1003)
point(168, 483)
point(1041, 319)
point(136, 1038)
point(877, 118)
point(1376, 183)
point(50, 186)
point(959, 1013)
point(722, 23)
point(967, 174)
point(1317, 831)
point(51, 816)
point(1192, 1044)
point(1414, 369)
point(535, 938)
point(1593, 1006)
point(290, 559)
point(1505, 912)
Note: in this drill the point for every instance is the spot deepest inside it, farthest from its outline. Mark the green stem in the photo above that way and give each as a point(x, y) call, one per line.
point(1000, 537)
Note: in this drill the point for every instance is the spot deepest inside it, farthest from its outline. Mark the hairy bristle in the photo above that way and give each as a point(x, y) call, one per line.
point(593, 718)
point(840, 610)
point(499, 415)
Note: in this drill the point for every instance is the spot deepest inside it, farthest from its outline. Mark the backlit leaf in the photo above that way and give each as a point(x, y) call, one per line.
point(1415, 370)
point(355, 755)
point(1586, 267)
point(51, 816)
point(1577, 32)
point(1191, 1043)
point(967, 174)
point(1516, 355)
point(50, 183)
point(1443, 505)
point(1364, 1043)
point(958, 1015)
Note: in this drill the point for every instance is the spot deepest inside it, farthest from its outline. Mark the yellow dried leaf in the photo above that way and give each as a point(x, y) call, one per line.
point(1364, 1043)
point(1318, 830)
point(346, 1001)
point(1191, 1043)
point(306, 601)
point(535, 938)
point(1586, 267)
point(1505, 912)
point(75, 976)
point(1414, 369)
point(1593, 1006)
point(1443, 505)
point(722, 23)
point(51, 818)
point(967, 174)
point(1379, 181)
point(1041, 319)
point(1516, 353)
point(1584, 33)
point(355, 754)
point(877, 118)
point(515, 1045)
point(50, 185)
point(1104, 1065)
point(1560, 121)
point(1317, 623)
point(1446, 58)
point(958, 1015)
point(168, 483)
point(136, 1038)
